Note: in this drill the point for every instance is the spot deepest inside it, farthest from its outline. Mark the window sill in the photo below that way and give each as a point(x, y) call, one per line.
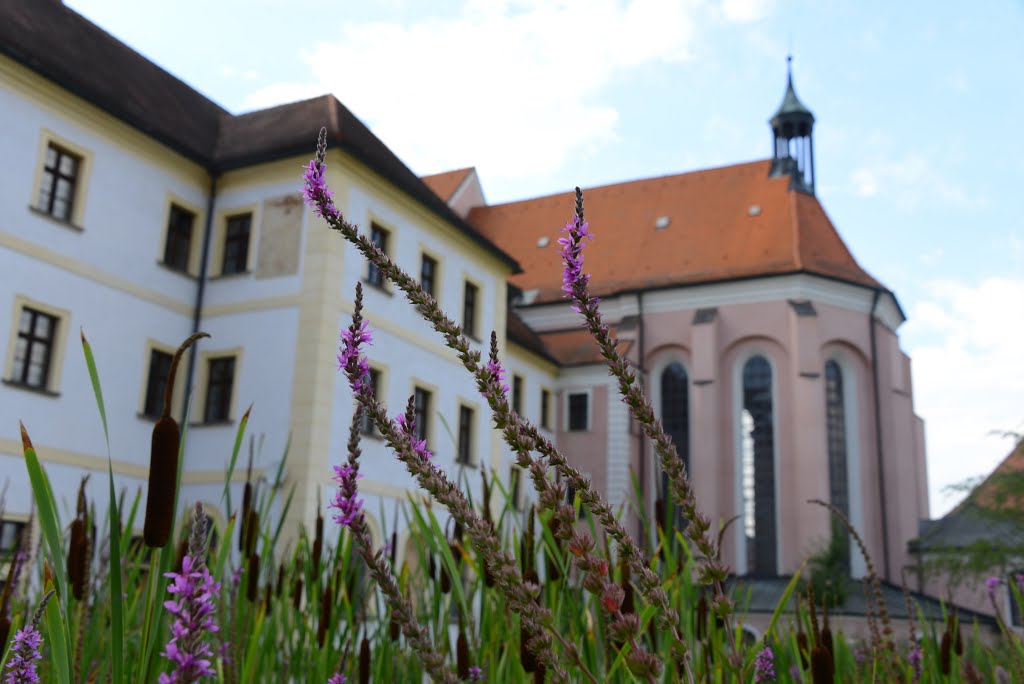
point(229, 276)
point(31, 388)
point(212, 423)
point(168, 267)
point(59, 221)
point(382, 288)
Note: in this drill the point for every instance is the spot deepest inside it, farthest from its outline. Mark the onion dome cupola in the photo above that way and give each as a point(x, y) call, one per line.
point(792, 139)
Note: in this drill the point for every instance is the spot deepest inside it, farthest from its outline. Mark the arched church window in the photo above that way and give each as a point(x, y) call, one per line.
point(675, 418)
point(835, 422)
point(758, 467)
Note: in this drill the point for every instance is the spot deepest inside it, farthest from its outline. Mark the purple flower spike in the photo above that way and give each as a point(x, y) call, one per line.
point(476, 674)
point(915, 657)
point(346, 499)
point(991, 584)
point(336, 678)
point(764, 666)
point(193, 612)
point(350, 360)
point(24, 654)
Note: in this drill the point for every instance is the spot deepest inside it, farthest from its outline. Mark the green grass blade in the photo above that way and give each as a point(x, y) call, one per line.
point(116, 595)
point(56, 630)
point(239, 435)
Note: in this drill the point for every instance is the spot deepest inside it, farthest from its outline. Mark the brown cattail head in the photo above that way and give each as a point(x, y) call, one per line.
point(488, 574)
point(78, 558)
point(393, 555)
point(269, 593)
point(627, 589)
point(958, 643)
point(826, 634)
point(163, 463)
point(702, 616)
point(163, 477)
point(243, 532)
point(945, 654)
point(297, 594)
point(315, 556)
point(252, 531)
point(253, 586)
point(394, 628)
point(822, 667)
point(446, 580)
point(5, 631)
point(432, 568)
point(462, 654)
point(326, 600)
point(364, 661)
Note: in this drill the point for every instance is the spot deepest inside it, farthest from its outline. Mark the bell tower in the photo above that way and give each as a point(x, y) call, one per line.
point(792, 139)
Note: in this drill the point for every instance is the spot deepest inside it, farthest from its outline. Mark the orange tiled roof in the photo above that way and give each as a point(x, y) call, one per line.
point(574, 347)
point(1000, 490)
point(445, 184)
point(725, 223)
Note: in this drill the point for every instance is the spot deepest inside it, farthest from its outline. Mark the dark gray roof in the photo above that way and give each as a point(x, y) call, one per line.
point(64, 47)
point(765, 594)
point(964, 526)
point(791, 109)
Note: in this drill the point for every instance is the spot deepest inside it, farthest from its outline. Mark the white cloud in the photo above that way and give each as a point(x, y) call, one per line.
point(965, 342)
point(511, 87)
point(743, 11)
point(908, 181)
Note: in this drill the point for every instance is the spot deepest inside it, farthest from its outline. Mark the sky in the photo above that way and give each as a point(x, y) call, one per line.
point(918, 141)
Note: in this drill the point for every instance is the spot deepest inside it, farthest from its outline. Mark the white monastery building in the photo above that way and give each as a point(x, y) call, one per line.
point(138, 211)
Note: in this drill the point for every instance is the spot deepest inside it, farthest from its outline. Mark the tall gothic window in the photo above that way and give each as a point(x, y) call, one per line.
point(835, 421)
point(758, 468)
point(675, 416)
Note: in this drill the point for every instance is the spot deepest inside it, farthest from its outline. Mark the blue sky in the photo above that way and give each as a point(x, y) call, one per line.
point(920, 156)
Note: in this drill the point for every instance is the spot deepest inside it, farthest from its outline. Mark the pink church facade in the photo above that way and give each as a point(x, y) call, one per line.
point(770, 355)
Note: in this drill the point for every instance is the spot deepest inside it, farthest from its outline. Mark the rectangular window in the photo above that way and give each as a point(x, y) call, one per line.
point(578, 412)
point(236, 244)
point(60, 176)
point(33, 349)
point(219, 384)
point(379, 237)
point(179, 238)
point(156, 386)
point(545, 409)
point(469, 309)
point(368, 428)
point(465, 455)
point(517, 394)
point(428, 274)
point(421, 412)
point(10, 537)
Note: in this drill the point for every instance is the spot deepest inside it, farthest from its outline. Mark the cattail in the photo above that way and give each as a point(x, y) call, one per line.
point(326, 600)
point(527, 544)
point(252, 530)
point(958, 645)
point(280, 581)
point(267, 596)
point(826, 635)
point(364, 661)
point(702, 617)
point(77, 558)
point(627, 589)
point(163, 463)
point(821, 666)
point(297, 594)
point(243, 532)
point(394, 628)
point(315, 556)
point(394, 548)
point(253, 586)
point(5, 631)
point(945, 655)
point(462, 654)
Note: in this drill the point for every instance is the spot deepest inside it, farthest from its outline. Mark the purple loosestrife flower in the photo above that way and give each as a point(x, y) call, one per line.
point(346, 499)
point(991, 584)
point(476, 674)
point(408, 426)
point(915, 658)
point(574, 280)
point(336, 678)
point(764, 666)
point(350, 360)
point(193, 612)
point(24, 653)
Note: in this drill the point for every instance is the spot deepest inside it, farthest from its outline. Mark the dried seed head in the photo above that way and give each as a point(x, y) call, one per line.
point(163, 478)
point(821, 666)
point(253, 585)
point(78, 559)
point(364, 661)
point(945, 655)
point(297, 594)
point(462, 655)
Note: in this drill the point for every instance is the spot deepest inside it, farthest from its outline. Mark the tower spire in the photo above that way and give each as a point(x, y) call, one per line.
point(792, 140)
